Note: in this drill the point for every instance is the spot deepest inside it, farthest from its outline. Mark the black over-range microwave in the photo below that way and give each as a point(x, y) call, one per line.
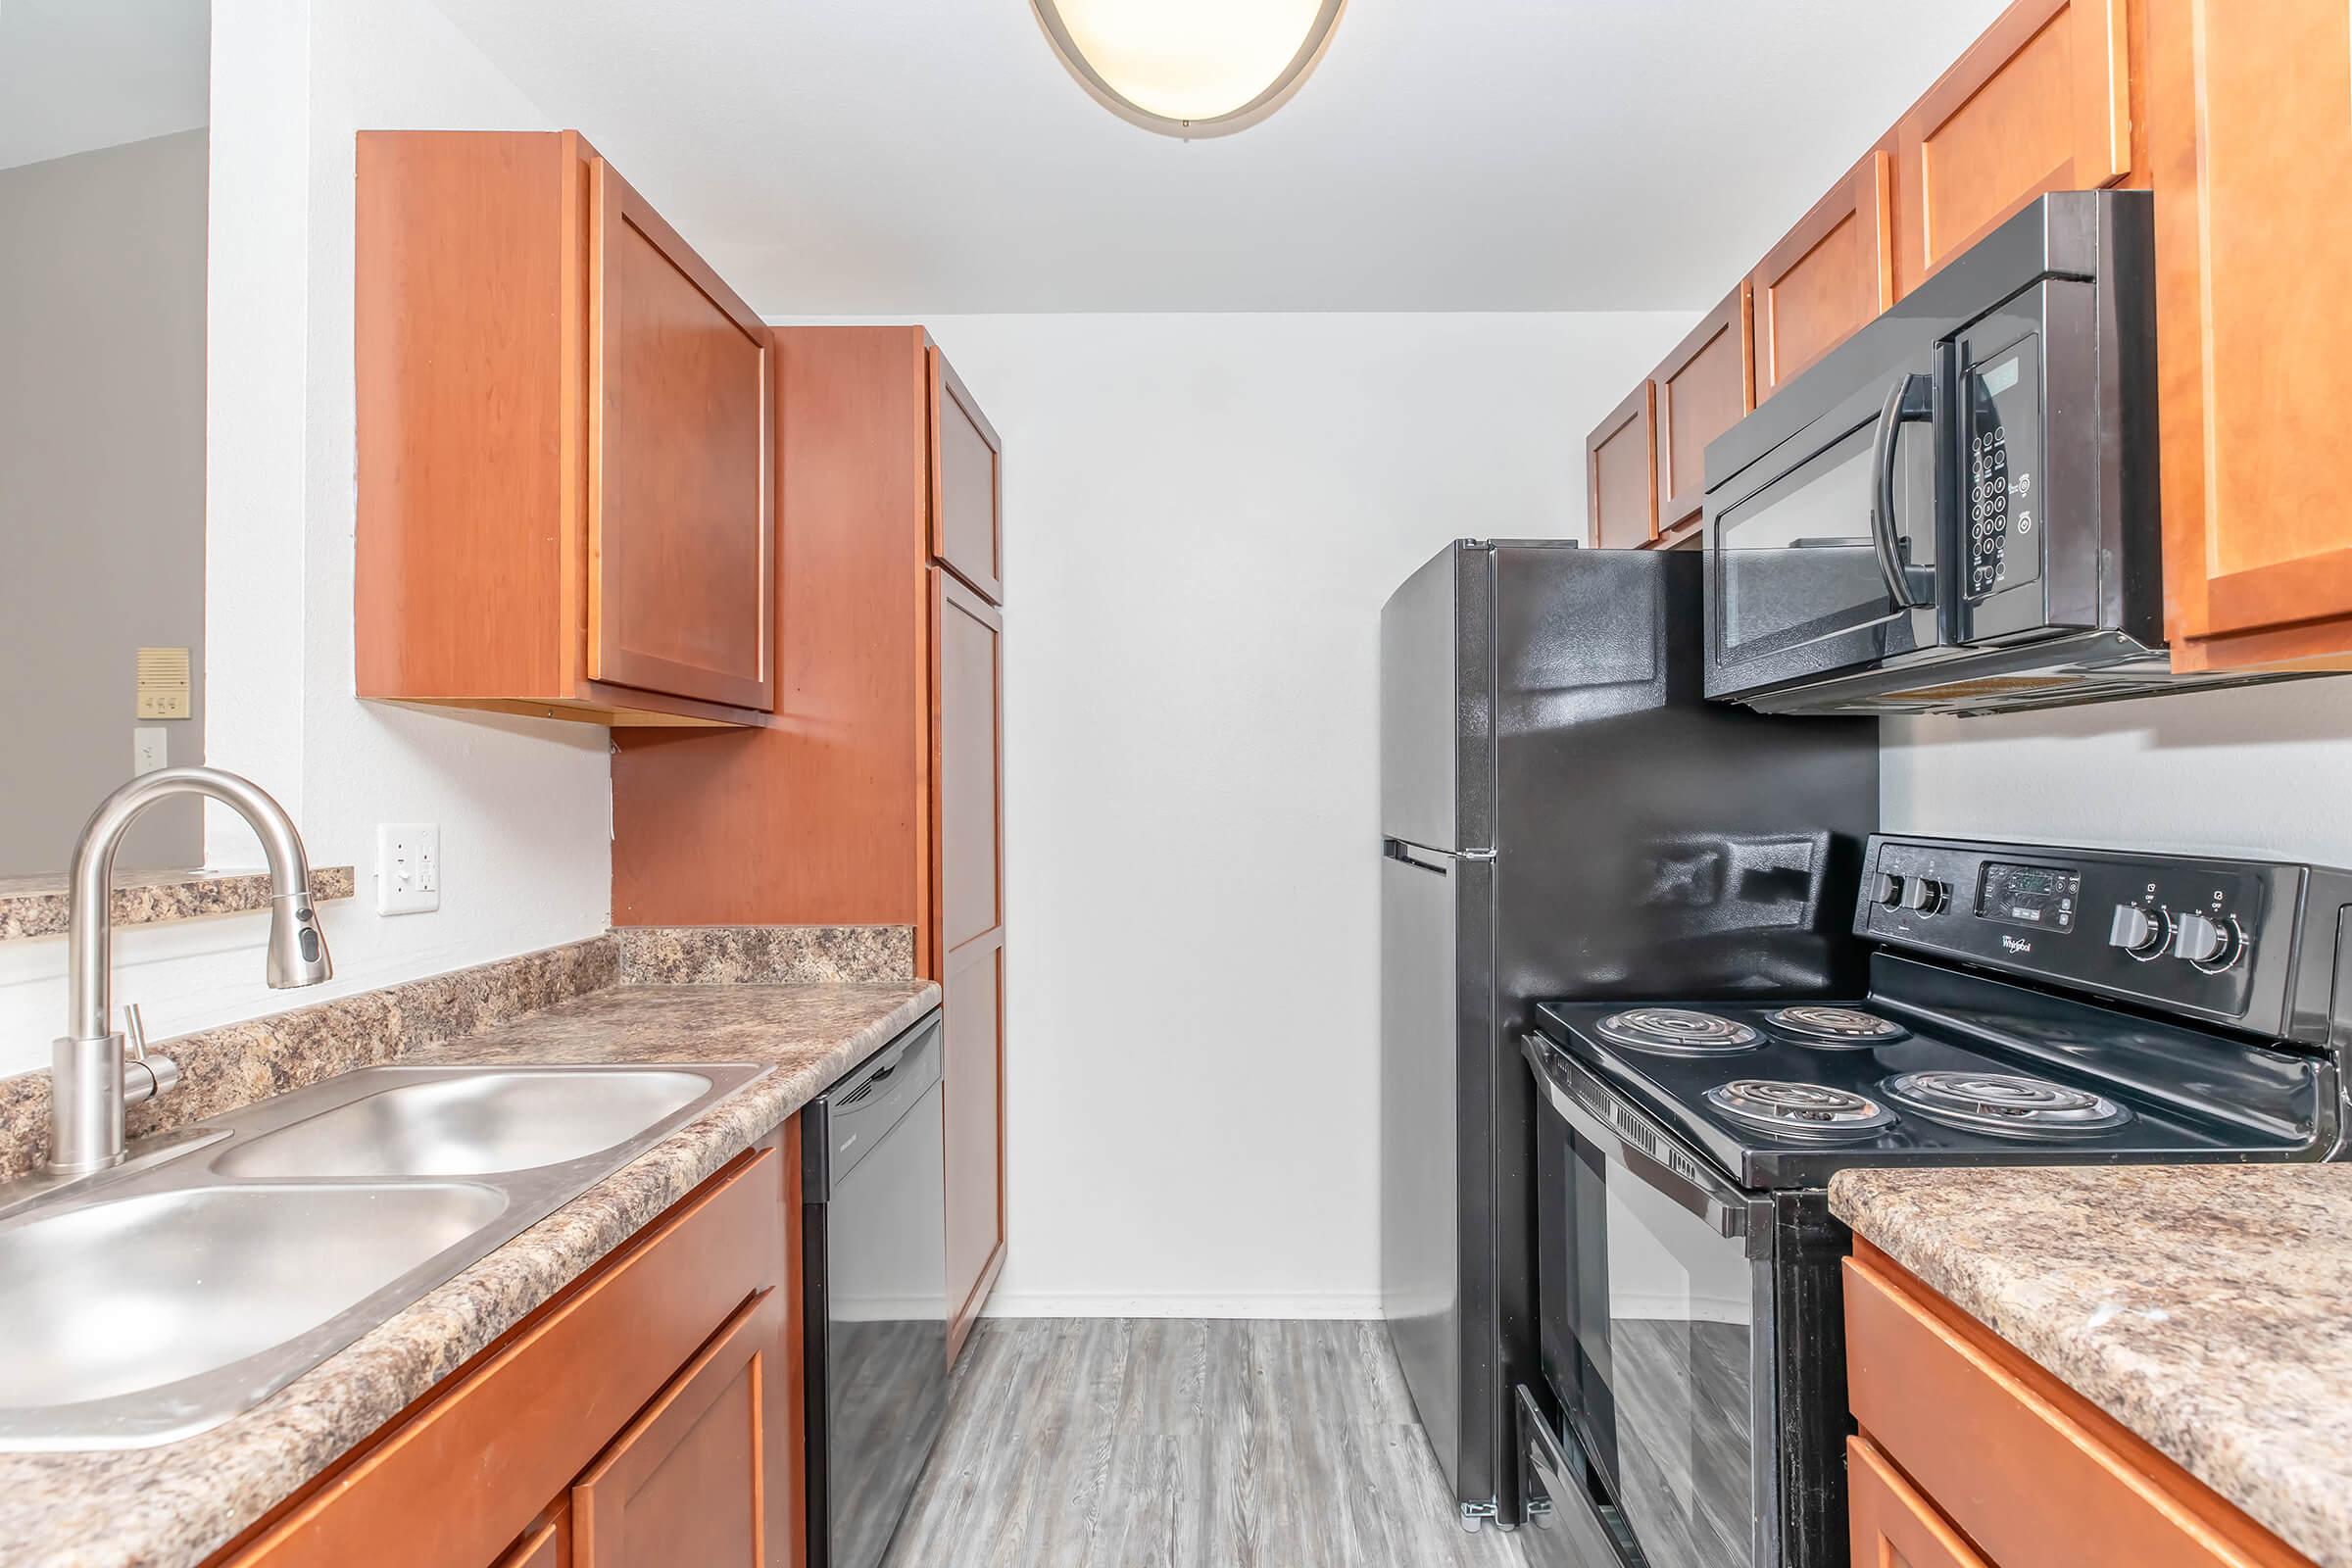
point(1956, 510)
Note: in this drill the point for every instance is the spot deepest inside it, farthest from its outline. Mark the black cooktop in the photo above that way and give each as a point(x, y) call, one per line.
point(2035, 1080)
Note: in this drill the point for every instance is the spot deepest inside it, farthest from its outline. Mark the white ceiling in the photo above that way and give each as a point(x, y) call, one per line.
point(80, 75)
point(901, 155)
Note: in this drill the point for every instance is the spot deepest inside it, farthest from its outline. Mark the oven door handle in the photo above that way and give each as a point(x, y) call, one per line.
point(1910, 401)
point(1586, 1106)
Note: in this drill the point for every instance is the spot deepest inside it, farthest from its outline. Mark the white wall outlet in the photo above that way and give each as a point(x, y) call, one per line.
point(408, 868)
point(150, 749)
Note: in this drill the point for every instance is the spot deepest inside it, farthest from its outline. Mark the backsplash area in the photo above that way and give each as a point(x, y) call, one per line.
point(2258, 771)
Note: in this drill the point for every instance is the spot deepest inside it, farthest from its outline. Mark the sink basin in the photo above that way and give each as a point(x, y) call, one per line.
point(485, 1121)
point(151, 1302)
point(129, 1296)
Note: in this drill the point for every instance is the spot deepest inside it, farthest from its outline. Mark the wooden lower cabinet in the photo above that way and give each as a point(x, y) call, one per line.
point(1970, 1455)
point(686, 1482)
point(545, 1544)
point(650, 1414)
point(1894, 1526)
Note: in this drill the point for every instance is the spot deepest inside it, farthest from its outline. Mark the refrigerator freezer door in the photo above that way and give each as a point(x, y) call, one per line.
point(1437, 703)
point(1436, 1019)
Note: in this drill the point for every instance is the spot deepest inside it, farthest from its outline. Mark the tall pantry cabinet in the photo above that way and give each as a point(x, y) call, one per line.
point(875, 795)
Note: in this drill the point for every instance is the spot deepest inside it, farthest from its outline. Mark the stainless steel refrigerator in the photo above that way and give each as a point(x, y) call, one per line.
point(1563, 815)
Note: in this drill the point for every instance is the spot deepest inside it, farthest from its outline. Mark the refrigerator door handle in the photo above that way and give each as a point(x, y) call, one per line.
point(1419, 859)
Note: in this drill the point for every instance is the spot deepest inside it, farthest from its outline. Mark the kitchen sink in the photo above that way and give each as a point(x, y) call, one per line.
point(154, 1301)
point(484, 1121)
point(144, 1292)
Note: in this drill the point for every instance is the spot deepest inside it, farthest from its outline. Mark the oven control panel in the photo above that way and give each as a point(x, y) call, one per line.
point(2184, 933)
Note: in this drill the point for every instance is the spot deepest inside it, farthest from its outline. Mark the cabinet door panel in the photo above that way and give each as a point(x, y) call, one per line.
point(2042, 102)
point(686, 1482)
point(1703, 388)
point(969, 763)
point(967, 532)
point(2253, 346)
point(1830, 276)
point(545, 1544)
point(973, 1000)
point(1893, 1525)
point(1621, 477)
point(681, 505)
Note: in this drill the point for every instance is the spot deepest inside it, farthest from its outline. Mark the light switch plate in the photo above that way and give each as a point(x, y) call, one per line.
point(408, 868)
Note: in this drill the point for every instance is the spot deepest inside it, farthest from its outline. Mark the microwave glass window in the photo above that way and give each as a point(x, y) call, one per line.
point(1796, 563)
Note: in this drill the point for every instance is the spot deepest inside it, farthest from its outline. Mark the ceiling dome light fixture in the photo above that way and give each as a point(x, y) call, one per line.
point(1191, 67)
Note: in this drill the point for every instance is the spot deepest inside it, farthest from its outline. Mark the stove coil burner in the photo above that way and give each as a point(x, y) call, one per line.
point(2007, 1104)
point(1837, 1028)
point(1812, 1111)
point(1676, 1032)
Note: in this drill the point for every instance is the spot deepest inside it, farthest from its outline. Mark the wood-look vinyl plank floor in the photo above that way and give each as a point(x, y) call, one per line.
point(1153, 1443)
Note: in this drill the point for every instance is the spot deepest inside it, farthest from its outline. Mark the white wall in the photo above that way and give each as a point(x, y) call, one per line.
point(2261, 772)
point(1203, 514)
point(524, 807)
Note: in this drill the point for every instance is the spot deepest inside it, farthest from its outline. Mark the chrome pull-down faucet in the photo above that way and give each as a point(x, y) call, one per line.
point(88, 1092)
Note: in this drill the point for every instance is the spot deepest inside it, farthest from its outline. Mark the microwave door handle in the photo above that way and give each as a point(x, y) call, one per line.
point(1910, 401)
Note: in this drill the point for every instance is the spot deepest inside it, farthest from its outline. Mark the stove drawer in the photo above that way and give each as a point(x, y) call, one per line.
point(2030, 1471)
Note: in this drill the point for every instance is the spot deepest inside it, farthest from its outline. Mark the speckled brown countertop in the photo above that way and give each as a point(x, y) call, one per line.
point(2206, 1307)
point(172, 1506)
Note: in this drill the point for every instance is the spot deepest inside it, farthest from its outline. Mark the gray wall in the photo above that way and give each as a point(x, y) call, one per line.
point(102, 312)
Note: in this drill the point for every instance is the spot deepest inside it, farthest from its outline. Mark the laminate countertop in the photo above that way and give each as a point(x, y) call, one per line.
point(175, 1505)
point(2204, 1307)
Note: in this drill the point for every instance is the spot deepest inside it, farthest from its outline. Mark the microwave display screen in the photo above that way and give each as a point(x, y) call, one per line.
point(2002, 377)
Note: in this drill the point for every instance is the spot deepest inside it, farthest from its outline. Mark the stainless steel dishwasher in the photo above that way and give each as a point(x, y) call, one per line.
point(877, 1277)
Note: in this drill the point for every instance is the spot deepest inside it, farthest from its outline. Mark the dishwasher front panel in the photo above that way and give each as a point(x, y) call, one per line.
point(877, 1336)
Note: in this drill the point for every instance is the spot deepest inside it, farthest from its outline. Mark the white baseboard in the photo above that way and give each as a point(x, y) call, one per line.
point(1349, 1305)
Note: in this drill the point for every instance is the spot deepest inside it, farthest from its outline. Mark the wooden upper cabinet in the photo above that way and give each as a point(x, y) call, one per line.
point(1828, 277)
point(2250, 142)
point(681, 442)
point(968, 526)
point(1703, 388)
point(2042, 102)
point(685, 1482)
point(564, 442)
point(1621, 476)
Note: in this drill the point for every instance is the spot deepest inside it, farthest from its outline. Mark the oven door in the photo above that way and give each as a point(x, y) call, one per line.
point(1655, 1325)
point(1822, 555)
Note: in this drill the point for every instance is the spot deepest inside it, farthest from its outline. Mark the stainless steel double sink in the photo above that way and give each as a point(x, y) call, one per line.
point(159, 1298)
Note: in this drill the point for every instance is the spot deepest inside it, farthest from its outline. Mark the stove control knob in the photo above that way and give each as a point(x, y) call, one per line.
point(1925, 894)
point(2142, 933)
point(2205, 942)
point(1887, 890)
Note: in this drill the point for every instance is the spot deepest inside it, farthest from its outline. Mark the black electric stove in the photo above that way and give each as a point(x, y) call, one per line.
point(2026, 1005)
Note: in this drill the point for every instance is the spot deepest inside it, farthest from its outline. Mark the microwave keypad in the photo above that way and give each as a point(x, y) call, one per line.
point(2003, 416)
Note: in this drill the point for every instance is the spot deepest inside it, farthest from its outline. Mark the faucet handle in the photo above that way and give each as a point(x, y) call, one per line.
point(134, 1032)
